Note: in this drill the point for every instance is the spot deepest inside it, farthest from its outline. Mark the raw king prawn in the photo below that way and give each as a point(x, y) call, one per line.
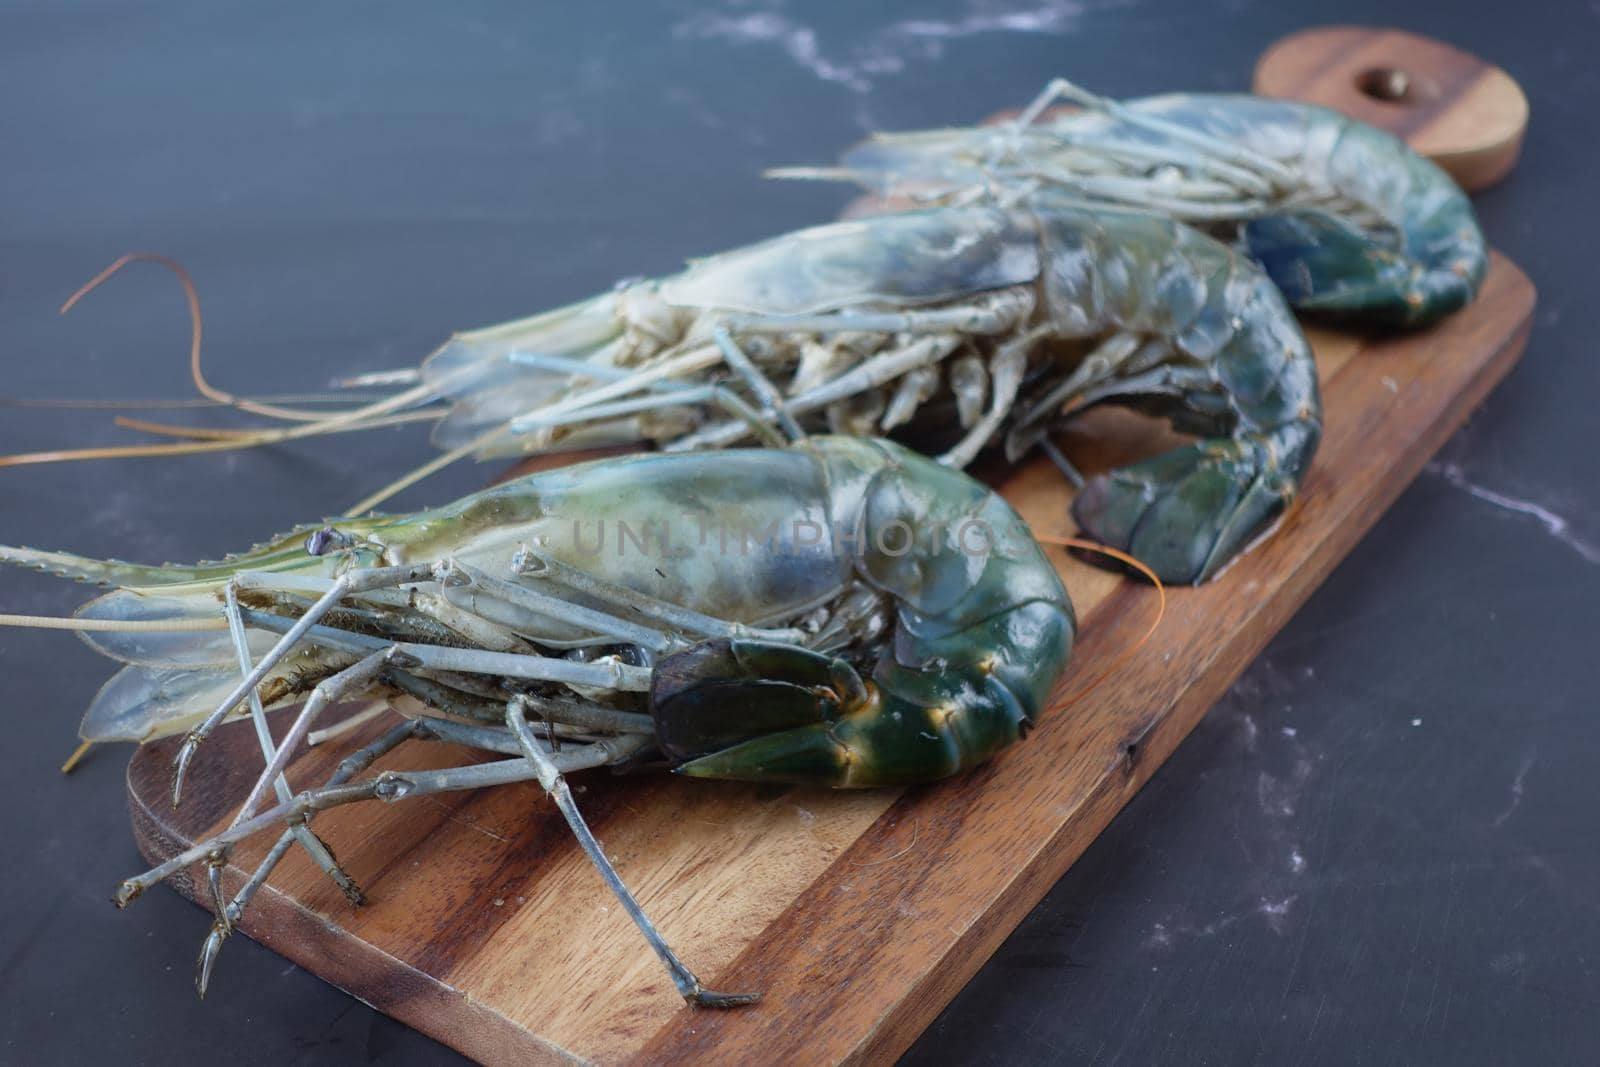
point(907, 650)
point(1005, 321)
point(1351, 223)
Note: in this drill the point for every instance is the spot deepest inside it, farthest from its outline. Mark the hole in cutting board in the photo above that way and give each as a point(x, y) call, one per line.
point(1394, 85)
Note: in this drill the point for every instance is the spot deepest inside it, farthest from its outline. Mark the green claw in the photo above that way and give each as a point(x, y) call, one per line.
point(808, 754)
point(721, 694)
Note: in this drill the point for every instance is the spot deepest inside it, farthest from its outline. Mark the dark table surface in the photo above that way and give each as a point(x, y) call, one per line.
point(1382, 846)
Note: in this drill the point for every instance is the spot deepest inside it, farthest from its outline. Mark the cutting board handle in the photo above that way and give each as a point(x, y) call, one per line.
point(1463, 113)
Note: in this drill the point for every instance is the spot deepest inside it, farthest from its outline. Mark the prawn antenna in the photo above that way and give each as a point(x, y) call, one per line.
point(433, 466)
point(115, 626)
point(192, 296)
point(208, 433)
point(1133, 649)
point(813, 174)
point(387, 411)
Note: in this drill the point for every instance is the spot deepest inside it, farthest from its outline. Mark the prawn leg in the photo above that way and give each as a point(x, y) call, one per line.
point(1006, 368)
point(228, 916)
point(610, 627)
point(529, 563)
point(352, 680)
point(555, 785)
point(930, 334)
point(879, 370)
point(381, 654)
point(314, 846)
point(360, 675)
point(1071, 473)
point(717, 394)
point(424, 729)
point(759, 383)
point(987, 314)
point(1214, 148)
point(1107, 357)
point(450, 574)
point(355, 581)
point(537, 764)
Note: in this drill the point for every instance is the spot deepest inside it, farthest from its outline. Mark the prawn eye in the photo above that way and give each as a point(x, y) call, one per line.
point(320, 542)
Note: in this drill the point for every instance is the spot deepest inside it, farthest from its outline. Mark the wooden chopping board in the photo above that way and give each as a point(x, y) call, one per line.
point(857, 915)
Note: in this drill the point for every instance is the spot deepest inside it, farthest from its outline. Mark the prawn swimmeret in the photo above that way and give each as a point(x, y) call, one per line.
point(1350, 223)
point(840, 612)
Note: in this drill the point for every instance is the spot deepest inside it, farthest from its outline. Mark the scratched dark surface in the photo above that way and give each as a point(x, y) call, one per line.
point(1381, 847)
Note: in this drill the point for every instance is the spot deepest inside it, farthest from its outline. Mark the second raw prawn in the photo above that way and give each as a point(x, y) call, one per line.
point(1005, 323)
point(953, 328)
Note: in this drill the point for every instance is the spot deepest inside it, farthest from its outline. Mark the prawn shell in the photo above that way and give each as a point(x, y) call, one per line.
point(911, 259)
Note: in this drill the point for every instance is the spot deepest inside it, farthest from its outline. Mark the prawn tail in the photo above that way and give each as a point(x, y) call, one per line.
point(1331, 270)
point(1188, 512)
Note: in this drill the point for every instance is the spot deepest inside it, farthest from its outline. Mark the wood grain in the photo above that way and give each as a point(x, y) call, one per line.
point(857, 915)
point(1466, 115)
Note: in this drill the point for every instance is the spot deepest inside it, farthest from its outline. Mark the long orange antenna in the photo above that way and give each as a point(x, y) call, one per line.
point(381, 412)
point(192, 296)
point(171, 403)
point(1129, 652)
point(250, 433)
point(375, 415)
point(187, 448)
point(355, 419)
